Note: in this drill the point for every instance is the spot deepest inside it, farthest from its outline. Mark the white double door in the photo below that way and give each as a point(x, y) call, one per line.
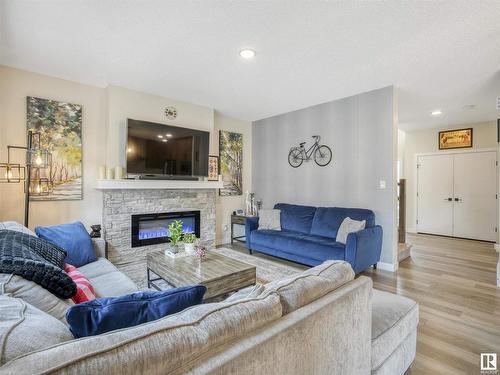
point(457, 195)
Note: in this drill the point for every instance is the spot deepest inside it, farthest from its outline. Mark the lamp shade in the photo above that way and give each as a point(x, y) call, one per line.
point(39, 158)
point(12, 173)
point(40, 186)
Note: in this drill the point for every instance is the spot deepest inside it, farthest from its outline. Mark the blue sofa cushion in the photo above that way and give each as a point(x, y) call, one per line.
point(313, 247)
point(327, 220)
point(73, 238)
point(296, 218)
point(107, 314)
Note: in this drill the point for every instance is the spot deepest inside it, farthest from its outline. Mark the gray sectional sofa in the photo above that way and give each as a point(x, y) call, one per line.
point(103, 275)
point(320, 321)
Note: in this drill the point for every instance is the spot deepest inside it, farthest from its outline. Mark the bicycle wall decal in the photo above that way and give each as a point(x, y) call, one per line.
point(321, 154)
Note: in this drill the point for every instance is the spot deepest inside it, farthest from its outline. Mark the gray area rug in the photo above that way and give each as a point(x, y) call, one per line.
point(267, 269)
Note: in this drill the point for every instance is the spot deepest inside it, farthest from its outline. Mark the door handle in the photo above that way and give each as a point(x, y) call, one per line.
point(458, 200)
point(448, 199)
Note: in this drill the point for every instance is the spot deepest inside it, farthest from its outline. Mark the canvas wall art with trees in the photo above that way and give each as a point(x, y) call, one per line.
point(231, 162)
point(60, 128)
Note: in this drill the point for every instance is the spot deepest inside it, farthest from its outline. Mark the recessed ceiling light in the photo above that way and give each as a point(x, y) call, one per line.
point(247, 53)
point(164, 140)
point(160, 136)
point(168, 135)
point(437, 112)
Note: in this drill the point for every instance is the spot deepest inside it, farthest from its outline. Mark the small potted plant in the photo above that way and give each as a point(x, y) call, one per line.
point(175, 234)
point(189, 239)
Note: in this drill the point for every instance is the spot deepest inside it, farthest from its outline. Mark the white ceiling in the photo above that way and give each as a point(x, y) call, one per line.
point(440, 54)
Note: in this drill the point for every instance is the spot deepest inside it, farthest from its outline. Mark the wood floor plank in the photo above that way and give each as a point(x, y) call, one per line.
point(454, 282)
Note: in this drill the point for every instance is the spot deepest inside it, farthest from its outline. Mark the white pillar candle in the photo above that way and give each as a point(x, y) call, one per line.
point(110, 174)
point(118, 173)
point(102, 172)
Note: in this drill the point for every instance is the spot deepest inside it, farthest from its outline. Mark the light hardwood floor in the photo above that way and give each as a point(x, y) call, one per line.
point(454, 282)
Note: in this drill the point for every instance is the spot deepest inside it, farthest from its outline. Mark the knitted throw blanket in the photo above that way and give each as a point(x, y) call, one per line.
point(37, 260)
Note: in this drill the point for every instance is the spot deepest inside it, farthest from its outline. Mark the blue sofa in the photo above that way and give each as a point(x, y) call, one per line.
point(308, 236)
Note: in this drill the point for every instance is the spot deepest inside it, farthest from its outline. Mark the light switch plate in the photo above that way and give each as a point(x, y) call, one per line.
point(382, 184)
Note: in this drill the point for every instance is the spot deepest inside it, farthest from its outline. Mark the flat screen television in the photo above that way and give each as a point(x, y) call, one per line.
point(164, 150)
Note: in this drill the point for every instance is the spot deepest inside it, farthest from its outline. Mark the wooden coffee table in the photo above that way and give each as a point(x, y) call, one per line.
point(220, 274)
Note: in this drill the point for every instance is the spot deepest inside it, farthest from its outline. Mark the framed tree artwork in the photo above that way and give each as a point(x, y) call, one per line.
point(60, 128)
point(231, 162)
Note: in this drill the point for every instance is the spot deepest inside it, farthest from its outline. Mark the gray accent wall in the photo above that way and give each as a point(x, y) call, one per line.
point(361, 131)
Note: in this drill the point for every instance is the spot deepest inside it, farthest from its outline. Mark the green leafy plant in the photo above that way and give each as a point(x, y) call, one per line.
point(189, 238)
point(175, 231)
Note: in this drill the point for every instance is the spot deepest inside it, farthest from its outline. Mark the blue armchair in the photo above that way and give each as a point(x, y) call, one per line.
point(308, 236)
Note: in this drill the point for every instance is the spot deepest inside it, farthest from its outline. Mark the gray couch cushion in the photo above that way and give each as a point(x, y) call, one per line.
point(298, 290)
point(401, 358)
point(250, 292)
point(106, 280)
point(100, 267)
point(12, 225)
point(35, 295)
point(24, 328)
point(394, 317)
point(168, 345)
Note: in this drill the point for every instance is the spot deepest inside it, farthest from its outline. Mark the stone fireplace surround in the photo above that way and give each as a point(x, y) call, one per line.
point(120, 204)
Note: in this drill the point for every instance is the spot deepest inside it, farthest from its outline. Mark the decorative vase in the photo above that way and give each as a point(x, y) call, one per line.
point(189, 248)
point(200, 252)
point(118, 173)
point(110, 174)
point(102, 172)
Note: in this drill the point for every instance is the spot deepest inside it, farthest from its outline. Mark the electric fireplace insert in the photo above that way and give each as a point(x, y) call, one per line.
point(151, 229)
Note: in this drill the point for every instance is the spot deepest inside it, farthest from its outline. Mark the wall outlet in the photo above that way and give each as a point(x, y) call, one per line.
point(226, 227)
point(382, 184)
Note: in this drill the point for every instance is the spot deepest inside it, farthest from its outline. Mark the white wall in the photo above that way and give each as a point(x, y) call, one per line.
point(105, 111)
point(361, 130)
point(227, 204)
point(426, 141)
point(15, 85)
point(123, 103)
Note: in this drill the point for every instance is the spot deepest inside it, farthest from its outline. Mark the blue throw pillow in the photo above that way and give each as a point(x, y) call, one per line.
point(107, 314)
point(73, 238)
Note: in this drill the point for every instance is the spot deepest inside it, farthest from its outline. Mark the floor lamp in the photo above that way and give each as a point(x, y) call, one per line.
point(36, 174)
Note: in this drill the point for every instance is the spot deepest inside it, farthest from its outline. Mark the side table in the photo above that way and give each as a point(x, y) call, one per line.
point(238, 220)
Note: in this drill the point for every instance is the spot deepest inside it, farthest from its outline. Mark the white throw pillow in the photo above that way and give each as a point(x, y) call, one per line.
point(270, 219)
point(349, 226)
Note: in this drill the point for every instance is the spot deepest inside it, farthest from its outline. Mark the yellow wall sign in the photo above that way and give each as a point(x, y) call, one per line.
point(460, 138)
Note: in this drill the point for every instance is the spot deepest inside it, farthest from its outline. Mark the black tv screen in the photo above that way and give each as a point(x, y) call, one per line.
point(165, 150)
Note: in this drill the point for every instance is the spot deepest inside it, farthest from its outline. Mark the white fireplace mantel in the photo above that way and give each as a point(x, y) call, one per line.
point(156, 184)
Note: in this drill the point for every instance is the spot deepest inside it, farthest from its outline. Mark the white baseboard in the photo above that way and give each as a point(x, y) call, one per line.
point(497, 247)
point(387, 266)
point(411, 230)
